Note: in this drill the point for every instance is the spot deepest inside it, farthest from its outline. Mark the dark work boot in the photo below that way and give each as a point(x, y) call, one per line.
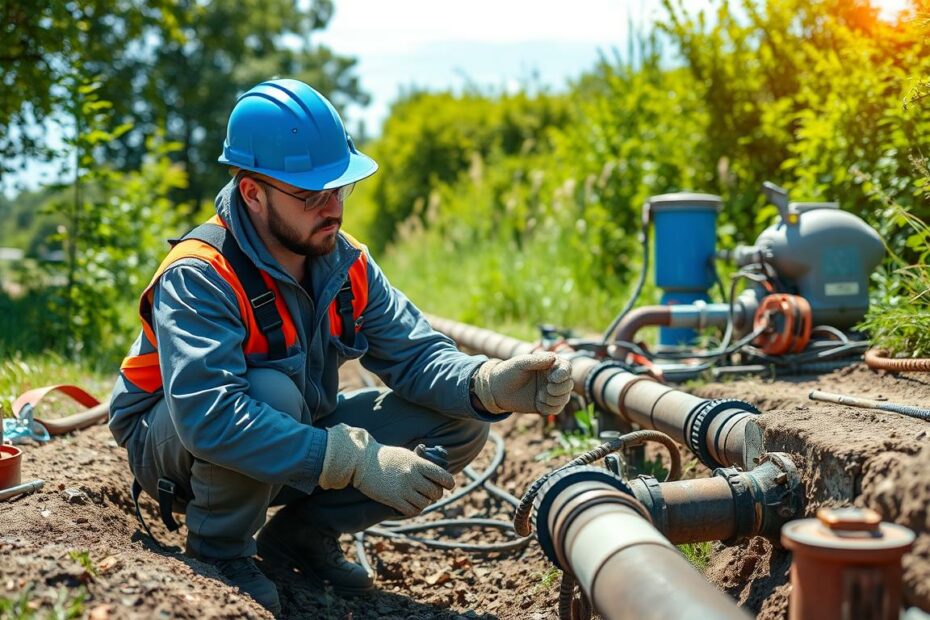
point(245, 575)
point(286, 542)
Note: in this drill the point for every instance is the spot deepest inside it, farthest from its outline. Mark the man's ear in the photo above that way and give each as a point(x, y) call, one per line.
point(253, 194)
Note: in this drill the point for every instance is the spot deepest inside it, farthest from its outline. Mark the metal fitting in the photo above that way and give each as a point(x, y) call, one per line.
point(730, 506)
point(591, 526)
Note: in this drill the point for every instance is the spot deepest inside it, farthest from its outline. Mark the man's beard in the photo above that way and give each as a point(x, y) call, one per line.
point(290, 238)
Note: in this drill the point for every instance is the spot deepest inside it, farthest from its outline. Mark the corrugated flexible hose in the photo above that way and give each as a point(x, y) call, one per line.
point(877, 359)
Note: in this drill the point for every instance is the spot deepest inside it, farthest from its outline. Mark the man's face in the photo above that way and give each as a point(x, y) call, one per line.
point(308, 233)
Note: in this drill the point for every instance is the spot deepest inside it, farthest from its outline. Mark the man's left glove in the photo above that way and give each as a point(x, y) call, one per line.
point(536, 383)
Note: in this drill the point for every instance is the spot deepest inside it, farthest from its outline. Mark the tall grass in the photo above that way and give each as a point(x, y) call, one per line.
point(899, 316)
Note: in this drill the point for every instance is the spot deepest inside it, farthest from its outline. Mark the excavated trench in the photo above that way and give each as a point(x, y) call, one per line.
point(846, 456)
point(91, 551)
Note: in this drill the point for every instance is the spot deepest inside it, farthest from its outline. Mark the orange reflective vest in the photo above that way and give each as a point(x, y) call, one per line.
point(143, 370)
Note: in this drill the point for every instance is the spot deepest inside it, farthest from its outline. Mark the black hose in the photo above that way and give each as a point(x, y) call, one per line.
point(570, 606)
point(403, 530)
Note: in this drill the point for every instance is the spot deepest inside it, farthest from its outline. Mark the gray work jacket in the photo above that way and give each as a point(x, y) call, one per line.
point(199, 331)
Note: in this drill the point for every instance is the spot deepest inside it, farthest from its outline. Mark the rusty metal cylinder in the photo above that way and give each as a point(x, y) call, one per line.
point(485, 341)
point(698, 510)
point(722, 433)
point(731, 506)
point(590, 525)
point(846, 564)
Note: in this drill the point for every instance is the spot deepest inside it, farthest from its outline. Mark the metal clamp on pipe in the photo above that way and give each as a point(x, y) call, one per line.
point(703, 417)
point(730, 506)
point(591, 526)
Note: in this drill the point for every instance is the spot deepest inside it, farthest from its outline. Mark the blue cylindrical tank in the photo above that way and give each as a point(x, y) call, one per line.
point(685, 241)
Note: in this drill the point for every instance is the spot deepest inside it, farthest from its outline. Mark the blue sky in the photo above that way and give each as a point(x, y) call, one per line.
point(498, 44)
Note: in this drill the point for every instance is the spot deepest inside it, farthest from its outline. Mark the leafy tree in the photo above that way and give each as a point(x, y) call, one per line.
point(44, 42)
point(172, 64)
point(188, 78)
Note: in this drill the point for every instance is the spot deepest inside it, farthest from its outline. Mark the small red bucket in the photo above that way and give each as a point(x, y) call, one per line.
point(11, 459)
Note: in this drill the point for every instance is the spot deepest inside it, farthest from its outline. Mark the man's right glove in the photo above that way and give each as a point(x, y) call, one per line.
point(534, 383)
point(387, 474)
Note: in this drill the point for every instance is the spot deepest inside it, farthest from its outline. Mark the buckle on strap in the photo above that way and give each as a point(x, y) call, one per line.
point(262, 300)
point(166, 497)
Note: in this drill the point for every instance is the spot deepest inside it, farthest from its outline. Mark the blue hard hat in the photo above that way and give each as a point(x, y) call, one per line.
point(288, 131)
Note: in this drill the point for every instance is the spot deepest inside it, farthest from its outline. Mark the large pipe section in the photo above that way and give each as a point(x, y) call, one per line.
point(722, 433)
point(590, 525)
point(730, 506)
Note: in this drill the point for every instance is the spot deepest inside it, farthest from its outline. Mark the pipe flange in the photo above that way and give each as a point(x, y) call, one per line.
point(558, 482)
point(743, 503)
point(596, 371)
point(699, 420)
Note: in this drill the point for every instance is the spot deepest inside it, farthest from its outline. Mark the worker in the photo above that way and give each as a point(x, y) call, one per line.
point(228, 401)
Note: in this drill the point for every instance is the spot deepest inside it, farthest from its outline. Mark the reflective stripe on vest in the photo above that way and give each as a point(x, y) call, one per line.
point(143, 370)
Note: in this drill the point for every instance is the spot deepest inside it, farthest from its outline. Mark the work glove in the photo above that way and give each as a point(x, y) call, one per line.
point(536, 383)
point(387, 474)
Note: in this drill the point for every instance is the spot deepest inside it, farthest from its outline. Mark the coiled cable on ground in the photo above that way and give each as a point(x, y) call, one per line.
point(404, 530)
point(521, 518)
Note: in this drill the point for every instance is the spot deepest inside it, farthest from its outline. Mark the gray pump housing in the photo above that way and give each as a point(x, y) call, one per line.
point(822, 253)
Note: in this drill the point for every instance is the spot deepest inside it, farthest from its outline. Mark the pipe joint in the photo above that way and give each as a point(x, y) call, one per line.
point(567, 494)
point(699, 421)
point(730, 506)
point(648, 490)
point(744, 503)
point(765, 498)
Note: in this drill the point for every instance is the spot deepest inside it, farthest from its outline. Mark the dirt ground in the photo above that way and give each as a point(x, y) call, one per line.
point(84, 552)
point(847, 456)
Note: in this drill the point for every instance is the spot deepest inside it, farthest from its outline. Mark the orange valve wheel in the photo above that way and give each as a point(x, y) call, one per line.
point(789, 322)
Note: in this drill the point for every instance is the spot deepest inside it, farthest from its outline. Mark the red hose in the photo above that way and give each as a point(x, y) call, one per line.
point(877, 360)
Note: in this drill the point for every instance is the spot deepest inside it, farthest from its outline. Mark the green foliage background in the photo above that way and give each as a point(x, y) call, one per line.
point(504, 209)
point(819, 96)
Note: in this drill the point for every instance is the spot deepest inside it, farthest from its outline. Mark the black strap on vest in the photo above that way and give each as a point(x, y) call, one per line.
point(344, 309)
point(260, 296)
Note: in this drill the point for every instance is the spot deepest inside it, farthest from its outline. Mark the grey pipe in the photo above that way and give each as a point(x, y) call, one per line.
point(722, 433)
point(697, 315)
point(589, 524)
point(21, 489)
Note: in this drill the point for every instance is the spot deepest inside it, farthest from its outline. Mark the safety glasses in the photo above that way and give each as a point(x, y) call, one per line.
point(315, 200)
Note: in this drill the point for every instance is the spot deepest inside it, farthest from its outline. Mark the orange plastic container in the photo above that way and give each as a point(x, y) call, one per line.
point(11, 459)
point(847, 564)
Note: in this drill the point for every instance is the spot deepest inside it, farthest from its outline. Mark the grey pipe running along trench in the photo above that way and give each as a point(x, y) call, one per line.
point(721, 433)
point(590, 526)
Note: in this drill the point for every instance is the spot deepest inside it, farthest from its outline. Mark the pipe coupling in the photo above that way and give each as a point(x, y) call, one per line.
point(569, 492)
point(760, 501)
point(698, 422)
point(765, 498)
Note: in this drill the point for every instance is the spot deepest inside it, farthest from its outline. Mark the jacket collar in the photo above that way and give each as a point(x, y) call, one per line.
point(232, 210)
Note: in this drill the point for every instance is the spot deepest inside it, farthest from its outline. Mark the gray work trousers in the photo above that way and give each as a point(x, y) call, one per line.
point(224, 509)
